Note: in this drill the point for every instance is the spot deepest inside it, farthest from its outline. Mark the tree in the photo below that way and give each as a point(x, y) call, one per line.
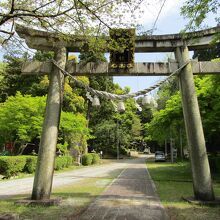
point(197, 11)
point(74, 131)
point(105, 137)
point(168, 120)
point(12, 80)
point(167, 90)
point(64, 17)
point(21, 119)
point(209, 93)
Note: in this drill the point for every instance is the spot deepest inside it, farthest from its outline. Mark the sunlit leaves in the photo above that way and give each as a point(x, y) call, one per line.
point(78, 17)
point(21, 118)
point(198, 10)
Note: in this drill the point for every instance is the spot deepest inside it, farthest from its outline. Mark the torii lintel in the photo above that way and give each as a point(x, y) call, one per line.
point(104, 69)
point(42, 40)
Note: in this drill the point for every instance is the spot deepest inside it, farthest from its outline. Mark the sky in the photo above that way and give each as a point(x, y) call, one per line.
point(169, 21)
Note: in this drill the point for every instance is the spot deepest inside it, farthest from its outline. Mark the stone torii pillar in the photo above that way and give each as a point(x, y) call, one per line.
point(202, 182)
point(47, 150)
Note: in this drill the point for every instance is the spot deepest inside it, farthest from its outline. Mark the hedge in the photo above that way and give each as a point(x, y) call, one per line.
point(90, 158)
point(62, 162)
point(113, 152)
point(31, 163)
point(87, 159)
point(95, 158)
point(12, 165)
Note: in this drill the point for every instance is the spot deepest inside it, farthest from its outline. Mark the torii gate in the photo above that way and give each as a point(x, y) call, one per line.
point(41, 40)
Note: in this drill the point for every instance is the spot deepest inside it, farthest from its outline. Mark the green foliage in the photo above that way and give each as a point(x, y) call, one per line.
point(208, 93)
point(43, 56)
point(87, 159)
point(11, 165)
point(21, 118)
point(62, 162)
point(31, 163)
point(168, 121)
point(12, 81)
point(63, 147)
point(167, 90)
point(95, 158)
point(91, 53)
point(208, 54)
point(112, 152)
point(72, 100)
point(214, 162)
point(136, 128)
point(74, 130)
point(2, 70)
point(197, 11)
point(91, 18)
point(103, 121)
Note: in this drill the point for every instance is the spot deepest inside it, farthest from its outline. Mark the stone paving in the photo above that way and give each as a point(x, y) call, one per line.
point(132, 196)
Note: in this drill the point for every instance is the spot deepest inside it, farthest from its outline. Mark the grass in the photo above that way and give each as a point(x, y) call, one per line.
point(173, 181)
point(75, 198)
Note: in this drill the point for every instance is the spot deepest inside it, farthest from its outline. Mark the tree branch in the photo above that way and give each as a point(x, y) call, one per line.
point(6, 32)
point(78, 15)
point(42, 6)
point(93, 13)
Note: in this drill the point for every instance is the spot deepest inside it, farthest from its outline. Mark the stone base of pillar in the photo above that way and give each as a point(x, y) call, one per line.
point(44, 202)
point(192, 200)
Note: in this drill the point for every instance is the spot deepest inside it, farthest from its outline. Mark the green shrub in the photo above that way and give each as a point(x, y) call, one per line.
point(214, 162)
point(11, 165)
point(31, 163)
point(87, 159)
point(113, 152)
point(69, 161)
point(62, 162)
point(95, 158)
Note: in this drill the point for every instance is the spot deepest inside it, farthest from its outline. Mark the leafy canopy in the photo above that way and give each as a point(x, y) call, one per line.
point(198, 10)
point(90, 17)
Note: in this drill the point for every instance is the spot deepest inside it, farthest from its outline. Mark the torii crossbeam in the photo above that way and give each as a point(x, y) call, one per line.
point(178, 43)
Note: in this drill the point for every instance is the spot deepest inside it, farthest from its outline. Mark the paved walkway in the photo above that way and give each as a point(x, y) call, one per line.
point(131, 196)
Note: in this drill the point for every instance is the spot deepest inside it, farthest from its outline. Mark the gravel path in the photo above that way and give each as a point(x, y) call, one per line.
point(24, 185)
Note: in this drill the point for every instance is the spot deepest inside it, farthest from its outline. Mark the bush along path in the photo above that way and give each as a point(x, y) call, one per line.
point(13, 165)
